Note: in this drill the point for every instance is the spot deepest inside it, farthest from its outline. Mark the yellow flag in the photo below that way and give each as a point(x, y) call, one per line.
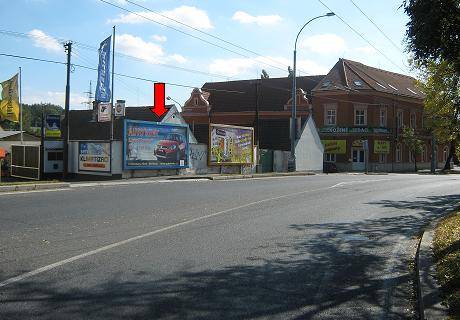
point(9, 105)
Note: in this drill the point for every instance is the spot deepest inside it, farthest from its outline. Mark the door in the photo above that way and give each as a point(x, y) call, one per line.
point(358, 157)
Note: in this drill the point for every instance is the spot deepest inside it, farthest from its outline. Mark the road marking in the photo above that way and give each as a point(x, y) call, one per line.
point(151, 233)
point(356, 182)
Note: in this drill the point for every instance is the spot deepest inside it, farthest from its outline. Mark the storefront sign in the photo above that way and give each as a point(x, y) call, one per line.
point(152, 145)
point(335, 146)
point(353, 130)
point(230, 145)
point(381, 146)
point(53, 126)
point(104, 112)
point(94, 156)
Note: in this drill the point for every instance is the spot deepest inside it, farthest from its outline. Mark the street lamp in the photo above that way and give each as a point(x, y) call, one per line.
point(292, 166)
point(169, 98)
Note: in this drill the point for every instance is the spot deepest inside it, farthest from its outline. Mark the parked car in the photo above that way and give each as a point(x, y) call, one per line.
point(172, 148)
point(329, 167)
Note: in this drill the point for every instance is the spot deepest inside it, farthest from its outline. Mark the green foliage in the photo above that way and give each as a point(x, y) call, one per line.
point(413, 143)
point(433, 30)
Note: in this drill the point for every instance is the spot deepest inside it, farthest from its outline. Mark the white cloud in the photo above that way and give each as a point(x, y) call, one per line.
point(159, 38)
point(56, 97)
point(367, 50)
point(42, 40)
point(247, 67)
point(147, 51)
point(192, 16)
point(246, 18)
point(327, 43)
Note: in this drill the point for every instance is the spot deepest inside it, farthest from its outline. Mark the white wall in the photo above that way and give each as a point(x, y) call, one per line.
point(309, 149)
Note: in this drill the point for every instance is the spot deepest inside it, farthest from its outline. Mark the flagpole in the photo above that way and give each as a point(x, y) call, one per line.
point(20, 105)
point(113, 73)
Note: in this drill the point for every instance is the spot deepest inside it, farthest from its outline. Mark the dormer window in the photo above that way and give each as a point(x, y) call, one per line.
point(411, 91)
point(358, 83)
point(381, 85)
point(392, 87)
point(326, 84)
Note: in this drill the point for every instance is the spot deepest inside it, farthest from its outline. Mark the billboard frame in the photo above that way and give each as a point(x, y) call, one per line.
point(159, 167)
point(95, 141)
point(216, 164)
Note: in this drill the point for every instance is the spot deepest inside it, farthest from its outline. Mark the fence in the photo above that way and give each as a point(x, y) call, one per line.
point(25, 162)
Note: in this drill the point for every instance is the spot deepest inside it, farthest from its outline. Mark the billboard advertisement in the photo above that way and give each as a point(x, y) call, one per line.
point(94, 156)
point(230, 145)
point(104, 112)
point(53, 126)
point(335, 146)
point(152, 145)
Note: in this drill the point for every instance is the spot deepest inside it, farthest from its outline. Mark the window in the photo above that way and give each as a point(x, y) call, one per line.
point(393, 87)
point(445, 154)
point(329, 157)
point(424, 159)
point(326, 84)
point(358, 83)
point(382, 157)
point(195, 101)
point(412, 120)
point(55, 156)
point(383, 117)
point(400, 119)
point(398, 152)
point(360, 115)
point(411, 157)
point(330, 117)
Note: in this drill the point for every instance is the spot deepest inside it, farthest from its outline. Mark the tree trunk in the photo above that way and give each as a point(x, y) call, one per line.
point(451, 155)
point(415, 162)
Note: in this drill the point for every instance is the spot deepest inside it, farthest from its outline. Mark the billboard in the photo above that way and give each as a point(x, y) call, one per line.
point(94, 156)
point(230, 145)
point(53, 126)
point(152, 145)
point(335, 146)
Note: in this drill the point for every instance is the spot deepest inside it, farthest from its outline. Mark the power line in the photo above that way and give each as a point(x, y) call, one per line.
point(361, 36)
point(117, 74)
point(187, 34)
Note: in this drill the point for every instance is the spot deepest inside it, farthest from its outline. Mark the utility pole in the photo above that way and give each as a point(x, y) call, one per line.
point(89, 103)
point(68, 49)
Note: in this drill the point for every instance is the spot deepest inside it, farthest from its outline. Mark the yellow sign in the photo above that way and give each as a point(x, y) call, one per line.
point(335, 146)
point(358, 143)
point(381, 146)
point(9, 105)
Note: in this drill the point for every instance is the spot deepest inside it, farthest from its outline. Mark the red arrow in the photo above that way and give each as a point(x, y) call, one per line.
point(159, 99)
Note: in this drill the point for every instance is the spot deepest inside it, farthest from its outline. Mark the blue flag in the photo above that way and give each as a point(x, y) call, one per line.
point(103, 72)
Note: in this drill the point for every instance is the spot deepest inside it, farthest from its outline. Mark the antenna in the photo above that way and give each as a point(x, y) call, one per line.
point(89, 103)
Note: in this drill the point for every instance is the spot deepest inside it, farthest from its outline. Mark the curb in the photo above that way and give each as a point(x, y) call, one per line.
point(429, 299)
point(32, 187)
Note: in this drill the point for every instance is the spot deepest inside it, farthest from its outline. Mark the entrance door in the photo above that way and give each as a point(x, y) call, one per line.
point(357, 154)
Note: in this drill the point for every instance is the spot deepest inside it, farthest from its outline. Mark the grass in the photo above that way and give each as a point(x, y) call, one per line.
point(446, 249)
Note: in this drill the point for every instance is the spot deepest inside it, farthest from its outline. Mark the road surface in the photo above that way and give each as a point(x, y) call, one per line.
point(310, 247)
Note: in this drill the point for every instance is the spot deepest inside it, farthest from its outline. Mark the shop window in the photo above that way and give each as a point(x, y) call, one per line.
point(398, 152)
point(383, 117)
point(412, 120)
point(55, 156)
point(329, 157)
point(382, 157)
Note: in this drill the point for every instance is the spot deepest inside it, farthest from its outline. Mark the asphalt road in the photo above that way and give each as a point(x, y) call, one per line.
point(311, 247)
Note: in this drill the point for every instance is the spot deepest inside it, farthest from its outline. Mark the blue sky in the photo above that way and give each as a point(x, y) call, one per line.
point(152, 51)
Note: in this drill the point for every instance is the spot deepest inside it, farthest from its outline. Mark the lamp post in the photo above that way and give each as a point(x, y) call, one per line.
point(169, 98)
point(292, 165)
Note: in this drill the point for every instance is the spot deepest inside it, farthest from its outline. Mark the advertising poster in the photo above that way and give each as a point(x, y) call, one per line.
point(230, 145)
point(94, 156)
point(120, 108)
point(104, 112)
point(53, 126)
point(381, 146)
point(335, 146)
point(152, 145)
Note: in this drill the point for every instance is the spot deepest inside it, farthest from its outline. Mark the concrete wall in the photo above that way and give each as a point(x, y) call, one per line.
point(309, 149)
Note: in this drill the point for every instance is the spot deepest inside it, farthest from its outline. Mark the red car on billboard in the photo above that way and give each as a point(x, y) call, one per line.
point(172, 148)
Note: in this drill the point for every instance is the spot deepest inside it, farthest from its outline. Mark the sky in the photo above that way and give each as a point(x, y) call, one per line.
point(237, 39)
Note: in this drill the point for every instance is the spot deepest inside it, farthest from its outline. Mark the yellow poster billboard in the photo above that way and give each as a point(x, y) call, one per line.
point(381, 146)
point(335, 146)
point(230, 145)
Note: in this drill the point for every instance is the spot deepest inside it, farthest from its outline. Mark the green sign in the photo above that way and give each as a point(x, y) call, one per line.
point(353, 130)
point(381, 146)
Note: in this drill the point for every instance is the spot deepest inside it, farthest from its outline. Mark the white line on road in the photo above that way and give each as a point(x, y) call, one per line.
point(151, 233)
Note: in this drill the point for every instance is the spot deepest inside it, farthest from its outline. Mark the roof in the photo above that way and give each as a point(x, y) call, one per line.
point(240, 95)
point(352, 75)
point(6, 134)
point(83, 124)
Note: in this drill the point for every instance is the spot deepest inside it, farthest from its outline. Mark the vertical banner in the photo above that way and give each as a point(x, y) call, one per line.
point(103, 72)
point(104, 112)
point(53, 126)
point(9, 105)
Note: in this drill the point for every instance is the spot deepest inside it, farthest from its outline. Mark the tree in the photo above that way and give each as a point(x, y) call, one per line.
point(433, 30)
point(413, 143)
point(441, 84)
point(264, 74)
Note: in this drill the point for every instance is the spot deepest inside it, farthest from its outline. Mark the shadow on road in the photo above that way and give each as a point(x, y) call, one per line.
point(332, 270)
